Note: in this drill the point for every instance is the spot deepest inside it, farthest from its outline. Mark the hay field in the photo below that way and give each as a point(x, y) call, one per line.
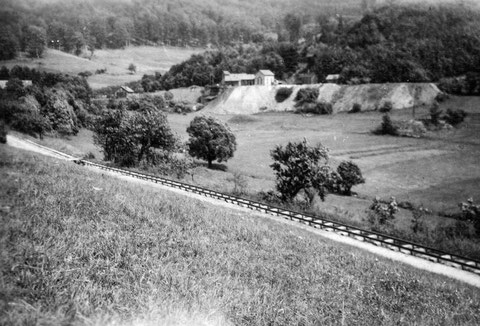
point(147, 59)
point(438, 171)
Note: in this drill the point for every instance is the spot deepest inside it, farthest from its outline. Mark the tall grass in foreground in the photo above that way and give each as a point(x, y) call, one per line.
point(78, 247)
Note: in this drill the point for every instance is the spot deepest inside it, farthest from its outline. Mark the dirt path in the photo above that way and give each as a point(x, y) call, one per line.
point(419, 263)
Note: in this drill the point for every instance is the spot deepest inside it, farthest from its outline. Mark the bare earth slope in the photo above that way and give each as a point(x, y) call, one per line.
point(255, 99)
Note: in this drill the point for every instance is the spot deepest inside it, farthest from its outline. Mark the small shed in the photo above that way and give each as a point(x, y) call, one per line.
point(332, 78)
point(307, 78)
point(265, 78)
point(124, 91)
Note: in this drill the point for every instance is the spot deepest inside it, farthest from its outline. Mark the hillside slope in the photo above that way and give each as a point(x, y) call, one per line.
point(256, 99)
point(79, 248)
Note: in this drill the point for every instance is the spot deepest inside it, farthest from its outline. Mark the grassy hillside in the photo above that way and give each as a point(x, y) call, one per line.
point(148, 60)
point(82, 248)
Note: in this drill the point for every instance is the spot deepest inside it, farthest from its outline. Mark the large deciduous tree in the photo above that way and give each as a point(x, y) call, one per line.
point(127, 138)
point(299, 166)
point(210, 140)
point(35, 41)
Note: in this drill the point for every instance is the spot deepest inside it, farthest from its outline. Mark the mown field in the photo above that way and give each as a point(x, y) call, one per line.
point(79, 247)
point(438, 171)
point(147, 59)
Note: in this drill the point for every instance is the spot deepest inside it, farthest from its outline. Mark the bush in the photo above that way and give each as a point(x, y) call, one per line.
point(455, 117)
point(471, 213)
point(323, 108)
point(383, 212)
point(168, 96)
point(387, 127)
point(356, 108)
point(283, 93)
point(3, 132)
point(435, 113)
point(350, 175)
point(306, 95)
point(386, 107)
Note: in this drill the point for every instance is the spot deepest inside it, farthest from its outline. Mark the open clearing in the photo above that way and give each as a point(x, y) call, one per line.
point(438, 171)
point(90, 249)
point(147, 59)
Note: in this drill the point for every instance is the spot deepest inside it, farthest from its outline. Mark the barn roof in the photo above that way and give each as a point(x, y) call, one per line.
point(127, 89)
point(333, 77)
point(237, 77)
point(266, 72)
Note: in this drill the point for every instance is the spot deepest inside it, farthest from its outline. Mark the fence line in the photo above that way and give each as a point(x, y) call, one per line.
point(372, 237)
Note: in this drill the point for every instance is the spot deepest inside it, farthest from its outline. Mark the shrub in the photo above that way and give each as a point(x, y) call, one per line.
point(471, 213)
point(168, 96)
point(435, 113)
point(356, 108)
point(240, 183)
point(283, 93)
point(323, 108)
point(386, 107)
point(455, 117)
point(306, 95)
point(383, 212)
point(387, 127)
point(85, 74)
point(3, 132)
point(350, 175)
point(418, 221)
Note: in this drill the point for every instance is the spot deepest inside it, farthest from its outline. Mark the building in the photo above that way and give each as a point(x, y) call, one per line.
point(265, 78)
point(332, 78)
point(229, 79)
point(307, 78)
point(124, 91)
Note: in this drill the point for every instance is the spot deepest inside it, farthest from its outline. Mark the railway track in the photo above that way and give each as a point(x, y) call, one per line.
point(375, 238)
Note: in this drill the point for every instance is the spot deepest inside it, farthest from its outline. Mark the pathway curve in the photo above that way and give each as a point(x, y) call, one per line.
point(416, 262)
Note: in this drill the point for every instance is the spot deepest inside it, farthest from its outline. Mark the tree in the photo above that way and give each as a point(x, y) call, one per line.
point(8, 46)
point(350, 175)
point(35, 41)
point(210, 140)
point(151, 130)
point(132, 68)
point(127, 139)
point(300, 166)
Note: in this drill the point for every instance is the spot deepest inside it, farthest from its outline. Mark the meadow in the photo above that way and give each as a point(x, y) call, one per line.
point(80, 247)
point(437, 172)
point(147, 59)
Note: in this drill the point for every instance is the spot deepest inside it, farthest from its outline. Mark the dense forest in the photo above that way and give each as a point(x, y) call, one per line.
point(72, 26)
point(389, 44)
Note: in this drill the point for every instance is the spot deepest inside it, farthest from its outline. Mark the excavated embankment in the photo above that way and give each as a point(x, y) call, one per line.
point(256, 99)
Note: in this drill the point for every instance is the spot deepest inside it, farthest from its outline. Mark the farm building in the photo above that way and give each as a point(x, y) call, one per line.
point(3, 83)
point(264, 77)
point(124, 91)
point(332, 78)
point(307, 78)
point(237, 79)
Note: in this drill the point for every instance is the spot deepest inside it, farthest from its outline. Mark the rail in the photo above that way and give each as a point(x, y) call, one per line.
point(372, 237)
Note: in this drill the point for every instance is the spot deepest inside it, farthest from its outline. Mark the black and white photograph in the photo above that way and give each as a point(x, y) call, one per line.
point(239, 162)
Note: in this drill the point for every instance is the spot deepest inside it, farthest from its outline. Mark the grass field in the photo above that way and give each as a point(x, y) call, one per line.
point(437, 171)
point(79, 247)
point(147, 59)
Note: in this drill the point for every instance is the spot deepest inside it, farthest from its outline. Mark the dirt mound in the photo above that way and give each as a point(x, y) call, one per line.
point(255, 99)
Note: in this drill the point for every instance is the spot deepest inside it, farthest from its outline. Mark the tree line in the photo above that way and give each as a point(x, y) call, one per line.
point(389, 44)
point(72, 26)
